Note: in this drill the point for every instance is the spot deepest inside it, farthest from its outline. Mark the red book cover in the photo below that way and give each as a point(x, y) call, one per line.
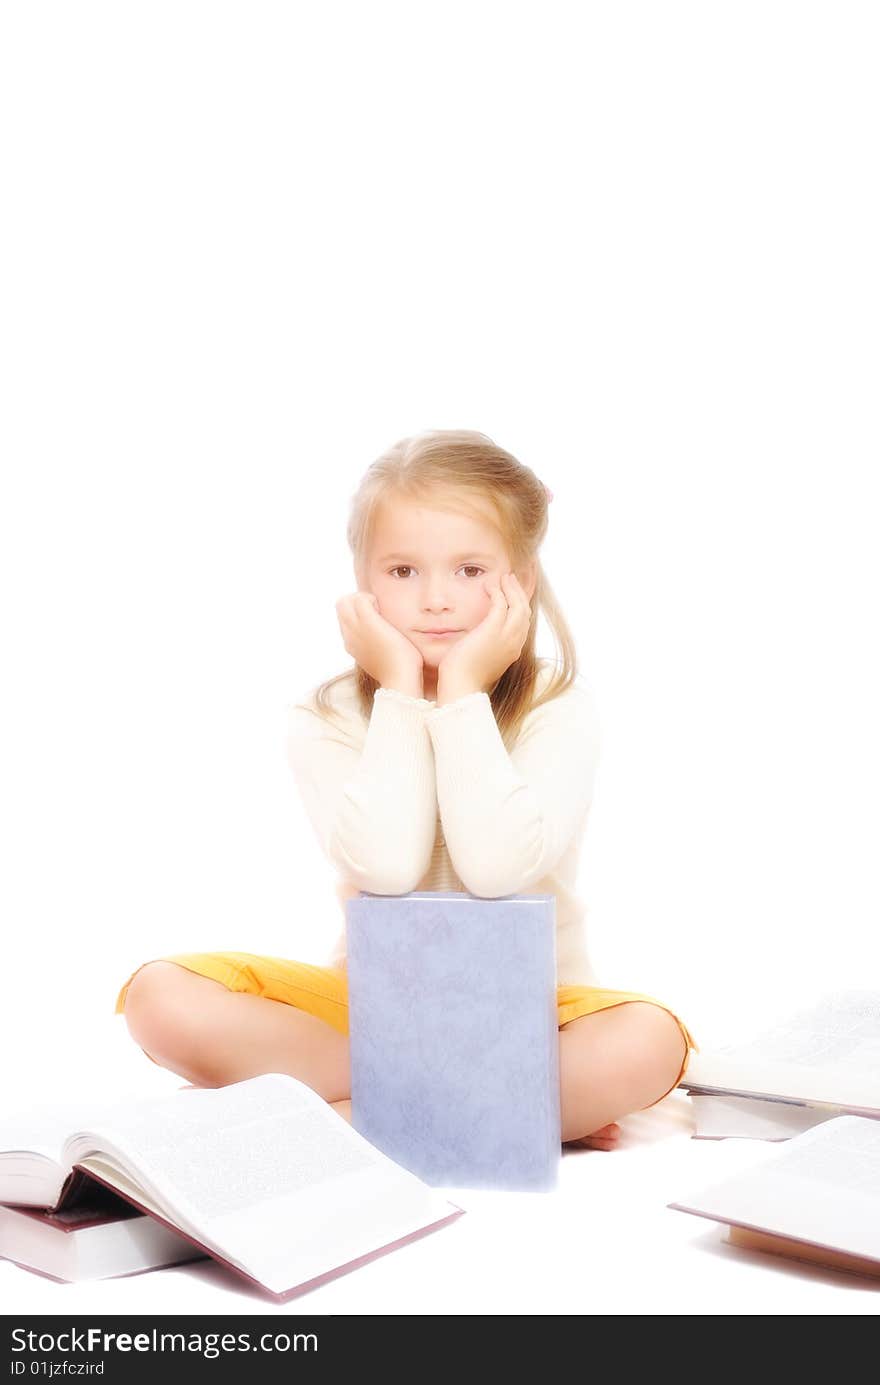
point(84, 1215)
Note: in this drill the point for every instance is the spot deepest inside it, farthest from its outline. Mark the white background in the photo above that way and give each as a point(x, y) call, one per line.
point(248, 246)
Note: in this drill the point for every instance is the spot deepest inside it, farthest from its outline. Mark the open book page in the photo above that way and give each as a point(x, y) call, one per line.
point(32, 1165)
point(264, 1172)
point(821, 1186)
point(826, 1052)
point(42, 1127)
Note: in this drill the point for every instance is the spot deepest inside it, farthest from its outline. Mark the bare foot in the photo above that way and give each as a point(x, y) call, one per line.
point(606, 1137)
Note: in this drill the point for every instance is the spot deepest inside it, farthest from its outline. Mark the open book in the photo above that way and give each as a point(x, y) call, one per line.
point(826, 1056)
point(263, 1175)
point(814, 1198)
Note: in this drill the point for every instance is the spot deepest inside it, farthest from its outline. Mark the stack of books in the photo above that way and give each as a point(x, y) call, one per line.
point(263, 1175)
point(820, 1062)
point(810, 1084)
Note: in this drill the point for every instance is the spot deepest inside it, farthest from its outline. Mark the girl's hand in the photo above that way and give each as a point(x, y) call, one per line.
point(491, 647)
point(374, 643)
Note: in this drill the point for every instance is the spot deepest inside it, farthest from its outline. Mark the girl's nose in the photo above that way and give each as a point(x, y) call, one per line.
point(436, 598)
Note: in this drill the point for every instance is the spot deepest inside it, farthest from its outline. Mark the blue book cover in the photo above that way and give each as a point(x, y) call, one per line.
point(454, 1036)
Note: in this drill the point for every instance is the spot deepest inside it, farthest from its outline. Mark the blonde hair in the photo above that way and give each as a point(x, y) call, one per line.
point(455, 462)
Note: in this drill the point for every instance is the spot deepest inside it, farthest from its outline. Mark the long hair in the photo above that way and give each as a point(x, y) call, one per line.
point(451, 463)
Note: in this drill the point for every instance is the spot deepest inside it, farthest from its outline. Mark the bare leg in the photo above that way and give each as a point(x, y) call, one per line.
point(212, 1036)
point(613, 1062)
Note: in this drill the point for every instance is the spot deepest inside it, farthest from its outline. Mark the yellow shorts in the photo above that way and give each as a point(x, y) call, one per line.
point(323, 991)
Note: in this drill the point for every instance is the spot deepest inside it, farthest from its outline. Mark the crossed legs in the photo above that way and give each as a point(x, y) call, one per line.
point(611, 1062)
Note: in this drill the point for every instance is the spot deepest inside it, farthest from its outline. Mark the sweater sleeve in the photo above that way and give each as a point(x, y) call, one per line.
point(373, 808)
point(508, 817)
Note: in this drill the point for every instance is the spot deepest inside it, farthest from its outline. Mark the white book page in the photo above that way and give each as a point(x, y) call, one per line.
point(821, 1186)
point(296, 1238)
point(42, 1129)
point(32, 1163)
point(843, 1026)
point(249, 1167)
point(719, 1117)
point(826, 1051)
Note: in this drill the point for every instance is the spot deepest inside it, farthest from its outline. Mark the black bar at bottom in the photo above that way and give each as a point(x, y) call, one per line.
point(274, 1346)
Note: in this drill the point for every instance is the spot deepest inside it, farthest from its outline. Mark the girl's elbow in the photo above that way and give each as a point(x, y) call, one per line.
point(515, 872)
point(374, 876)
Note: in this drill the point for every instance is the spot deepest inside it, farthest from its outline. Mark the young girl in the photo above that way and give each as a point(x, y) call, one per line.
point(448, 758)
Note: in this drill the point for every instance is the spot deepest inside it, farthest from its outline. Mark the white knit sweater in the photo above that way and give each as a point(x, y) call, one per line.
point(423, 797)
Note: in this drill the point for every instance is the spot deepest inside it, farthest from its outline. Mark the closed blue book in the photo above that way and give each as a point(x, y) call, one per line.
point(454, 1037)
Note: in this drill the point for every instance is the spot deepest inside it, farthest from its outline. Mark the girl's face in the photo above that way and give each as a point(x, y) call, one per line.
point(428, 570)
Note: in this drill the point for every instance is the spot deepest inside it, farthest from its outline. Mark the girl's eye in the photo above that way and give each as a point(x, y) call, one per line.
point(405, 567)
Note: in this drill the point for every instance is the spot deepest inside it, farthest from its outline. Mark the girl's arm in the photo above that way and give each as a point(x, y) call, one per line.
point(373, 806)
point(508, 818)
